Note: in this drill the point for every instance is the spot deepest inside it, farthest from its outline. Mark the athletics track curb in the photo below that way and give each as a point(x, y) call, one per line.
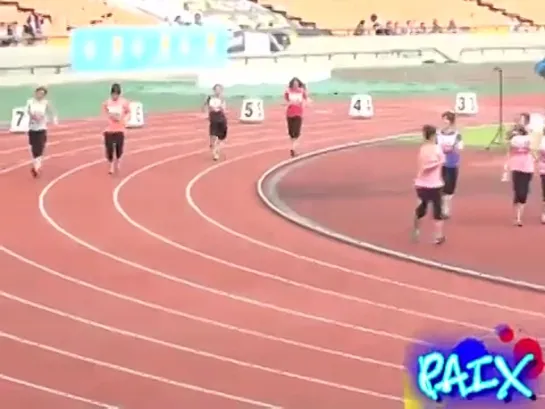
point(269, 197)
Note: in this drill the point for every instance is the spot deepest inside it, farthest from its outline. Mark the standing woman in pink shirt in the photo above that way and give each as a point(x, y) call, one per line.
point(117, 111)
point(521, 165)
point(524, 121)
point(429, 183)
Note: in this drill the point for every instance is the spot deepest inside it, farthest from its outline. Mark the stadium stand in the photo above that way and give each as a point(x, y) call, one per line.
point(336, 14)
point(61, 15)
point(525, 10)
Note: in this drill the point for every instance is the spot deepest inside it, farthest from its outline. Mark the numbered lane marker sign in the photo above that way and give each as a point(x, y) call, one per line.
point(361, 106)
point(537, 123)
point(136, 115)
point(252, 111)
point(466, 103)
point(19, 120)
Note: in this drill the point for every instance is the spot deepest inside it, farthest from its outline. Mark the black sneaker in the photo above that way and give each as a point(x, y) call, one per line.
point(292, 153)
point(34, 173)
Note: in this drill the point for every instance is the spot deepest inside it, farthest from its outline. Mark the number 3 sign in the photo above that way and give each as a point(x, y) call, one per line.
point(466, 103)
point(19, 120)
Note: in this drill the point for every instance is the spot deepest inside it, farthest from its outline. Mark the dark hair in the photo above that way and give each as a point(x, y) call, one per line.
point(525, 116)
point(41, 88)
point(520, 130)
point(428, 132)
point(217, 86)
point(449, 116)
point(115, 89)
point(291, 84)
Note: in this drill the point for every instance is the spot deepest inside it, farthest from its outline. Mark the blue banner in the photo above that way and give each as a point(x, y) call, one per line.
point(126, 49)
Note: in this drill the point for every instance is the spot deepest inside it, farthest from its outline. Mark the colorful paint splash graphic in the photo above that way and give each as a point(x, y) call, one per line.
point(464, 372)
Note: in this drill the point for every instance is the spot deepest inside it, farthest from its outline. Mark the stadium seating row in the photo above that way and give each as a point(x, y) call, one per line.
point(61, 15)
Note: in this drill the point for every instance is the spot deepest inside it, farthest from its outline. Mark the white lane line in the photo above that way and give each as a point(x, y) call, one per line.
point(328, 264)
point(134, 372)
point(181, 314)
point(56, 392)
point(179, 280)
point(200, 352)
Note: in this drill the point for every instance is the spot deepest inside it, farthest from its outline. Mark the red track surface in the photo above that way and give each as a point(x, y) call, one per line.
point(173, 287)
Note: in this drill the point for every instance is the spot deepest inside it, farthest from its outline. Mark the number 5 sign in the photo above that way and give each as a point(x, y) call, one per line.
point(252, 111)
point(19, 120)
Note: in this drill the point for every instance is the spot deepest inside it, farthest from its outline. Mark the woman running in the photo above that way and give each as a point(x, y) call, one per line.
point(39, 110)
point(524, 121)
point(429, 183)
point(216, 108)
point(117, 110)
point(450, 141)
point(521, 164)
point(296, 98)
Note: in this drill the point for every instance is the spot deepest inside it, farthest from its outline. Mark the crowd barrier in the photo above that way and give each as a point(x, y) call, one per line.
point(130, 49)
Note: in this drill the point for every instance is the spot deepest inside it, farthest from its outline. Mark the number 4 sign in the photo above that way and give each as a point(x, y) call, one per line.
point(19, 120)
point(361, 106)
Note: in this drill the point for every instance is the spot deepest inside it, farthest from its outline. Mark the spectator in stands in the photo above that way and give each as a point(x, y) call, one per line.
point(389, 28)
point(435, 27)
point(514, 24)
point(360, 28)
point(409, 27)
point(33, 26)
point(376, 25)
point(8, 35)
point(4, 37)
point(198, 19)
point(422, 29)
point(186, 17)
point(451, 28)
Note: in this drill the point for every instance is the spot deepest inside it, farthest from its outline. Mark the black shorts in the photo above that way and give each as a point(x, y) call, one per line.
point(295, 124)
point(450, 177)
point(37, 137)
point(218, 129)
point(431, 195)
point(37, 141)
point(111, 138)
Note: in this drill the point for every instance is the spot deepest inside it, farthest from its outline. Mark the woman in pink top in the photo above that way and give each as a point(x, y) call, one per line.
point(522, 120)
point(521, 164)
point(117, 110)
point(429, 183)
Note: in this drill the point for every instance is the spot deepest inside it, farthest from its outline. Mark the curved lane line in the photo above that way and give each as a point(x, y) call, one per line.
point(292, 216)
point(200, 352)
point(56, 392)
point(328, 264)
point(134, 372)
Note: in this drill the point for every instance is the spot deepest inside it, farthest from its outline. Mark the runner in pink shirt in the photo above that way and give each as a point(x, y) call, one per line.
point(522, 120)
point(117, 111)
point(541, 168)
point(429, 183)
point(521, 164)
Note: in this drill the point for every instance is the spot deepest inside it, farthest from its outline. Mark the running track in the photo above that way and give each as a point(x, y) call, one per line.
point(172, 286)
